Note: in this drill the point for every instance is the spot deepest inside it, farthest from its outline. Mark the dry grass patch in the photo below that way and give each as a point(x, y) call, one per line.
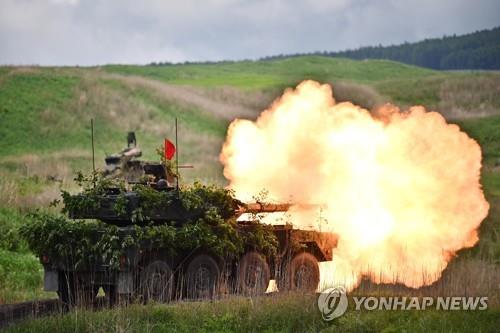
point(35, 180)
point(117, 109)
point(469, 277)
point(190, 97)
point(476, 96)
point(203, 155)
point(255, 100)
point(24, 70)
point(362, 95)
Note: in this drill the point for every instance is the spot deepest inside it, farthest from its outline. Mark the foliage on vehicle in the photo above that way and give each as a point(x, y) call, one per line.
point(208, 197)
point(83, 243)
point(94, 187)
point(73, 243)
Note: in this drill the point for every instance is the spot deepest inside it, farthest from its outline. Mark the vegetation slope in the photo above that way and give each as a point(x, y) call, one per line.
point(45, 134)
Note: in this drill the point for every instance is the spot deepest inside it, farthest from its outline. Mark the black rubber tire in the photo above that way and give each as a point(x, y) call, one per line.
point(157, 282)
point(112, 298)
point(64, 290)
point(299, 274)
point(202, 278)
point(304, 273)
point(253, 274)
point(73, 292)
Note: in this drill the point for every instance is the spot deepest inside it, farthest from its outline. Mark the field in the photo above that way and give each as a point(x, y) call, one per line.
point(288, 313)
point(45, 138)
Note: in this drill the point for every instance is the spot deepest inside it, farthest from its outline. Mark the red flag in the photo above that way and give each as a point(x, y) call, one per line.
point(169, 149)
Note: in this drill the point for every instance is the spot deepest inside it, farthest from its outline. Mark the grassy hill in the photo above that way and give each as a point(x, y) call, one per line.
point(45, 112)
point(381, 80)
point(276, 73)
point(45, 125)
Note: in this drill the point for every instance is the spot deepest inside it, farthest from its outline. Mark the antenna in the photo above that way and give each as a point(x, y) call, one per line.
point(92, 138)
point(93, 151)
point(176, 155)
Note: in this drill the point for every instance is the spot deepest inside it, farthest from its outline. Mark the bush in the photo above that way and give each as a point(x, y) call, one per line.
point(20, 276)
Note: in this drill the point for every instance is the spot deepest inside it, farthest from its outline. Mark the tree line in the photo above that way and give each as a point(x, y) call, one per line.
point(477, 50)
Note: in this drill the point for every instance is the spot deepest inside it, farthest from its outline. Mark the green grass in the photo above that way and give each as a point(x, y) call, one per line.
point(491, 182)
point(192, 118)
point(44, 113)
point(21, 274)
point(25, 100)
point(276, 73)
point(10, 240)
point(487, 132)
point(49, 109)
point(412, 91)
point(288, 313)
point(21, 277)
point(402, 84)
point(48, 113)
point(45, 131)
point(444, 90)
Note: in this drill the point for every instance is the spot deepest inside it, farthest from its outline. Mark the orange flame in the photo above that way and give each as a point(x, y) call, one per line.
point(401, 188)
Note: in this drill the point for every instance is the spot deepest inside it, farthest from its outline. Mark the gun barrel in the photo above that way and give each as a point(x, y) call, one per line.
point(258, 207)
point(262, 207)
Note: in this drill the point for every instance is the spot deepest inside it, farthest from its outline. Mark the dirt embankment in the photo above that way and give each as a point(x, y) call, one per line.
point(225, 102)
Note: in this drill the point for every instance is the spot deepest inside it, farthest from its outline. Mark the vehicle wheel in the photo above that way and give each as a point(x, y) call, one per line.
point(157, 281)
point(304, 273)
point(86, 295)
point(73, 292)
point(202, 277)
point(253, 274)
point(299, 274)
point(110, 295)
point(64, 290)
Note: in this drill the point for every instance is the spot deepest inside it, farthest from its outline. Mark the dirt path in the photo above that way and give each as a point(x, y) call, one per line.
point(195, 97)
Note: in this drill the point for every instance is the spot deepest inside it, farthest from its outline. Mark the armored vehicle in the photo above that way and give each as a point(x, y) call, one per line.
point(149, 270)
